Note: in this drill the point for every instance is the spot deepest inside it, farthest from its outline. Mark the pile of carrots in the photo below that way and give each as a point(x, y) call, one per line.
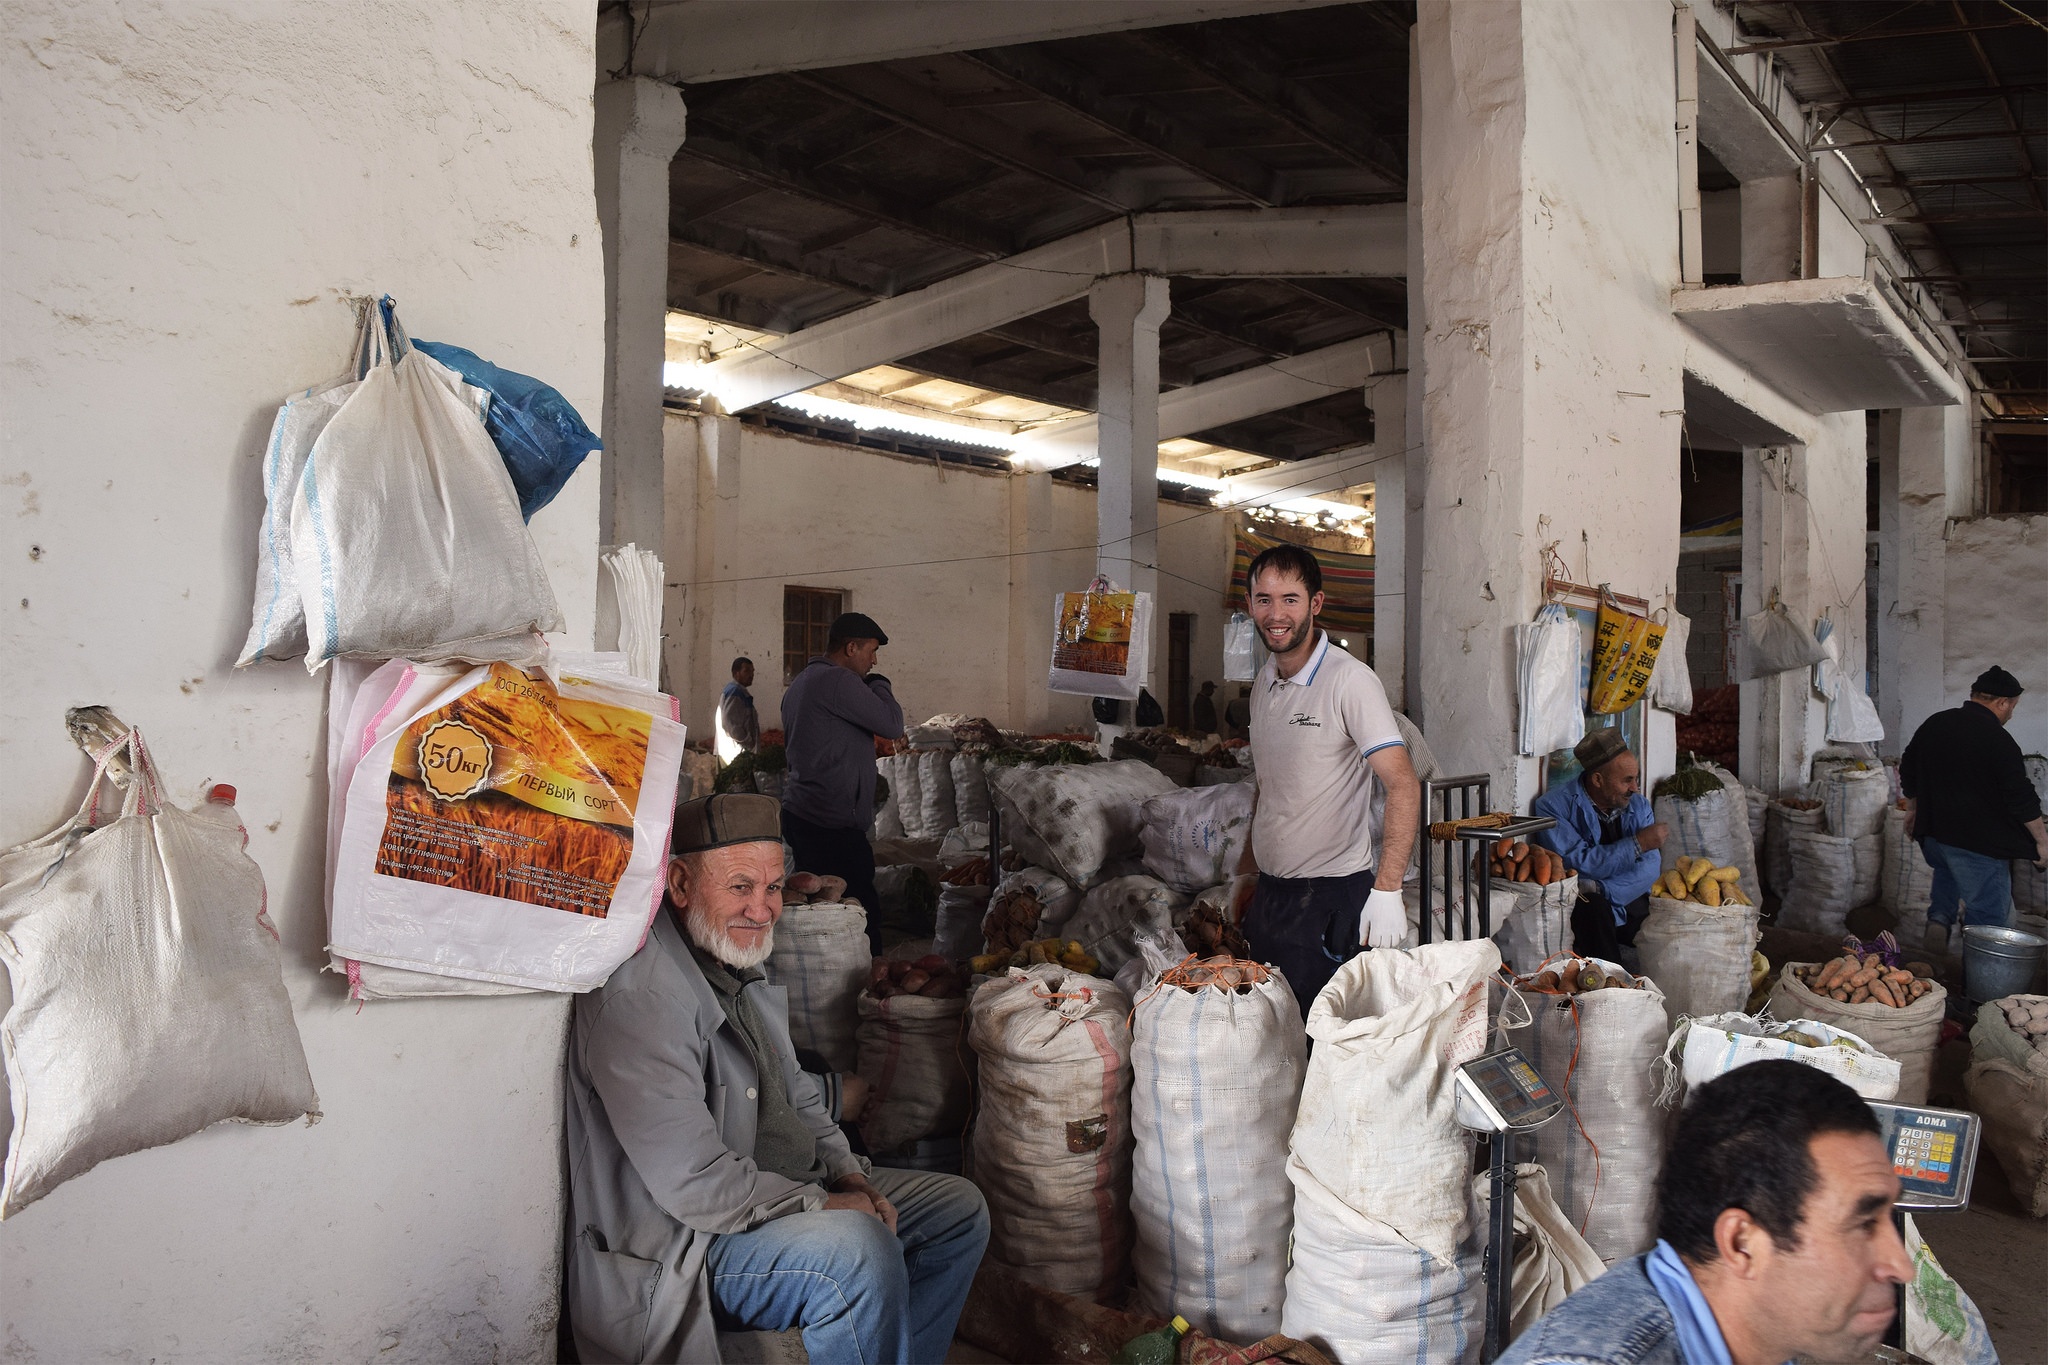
point(1517, 860)
point(1854, 980)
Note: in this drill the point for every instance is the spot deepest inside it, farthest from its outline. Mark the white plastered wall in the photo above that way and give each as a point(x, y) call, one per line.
point(922, 548)
point(189, 189)
point(1998, 614)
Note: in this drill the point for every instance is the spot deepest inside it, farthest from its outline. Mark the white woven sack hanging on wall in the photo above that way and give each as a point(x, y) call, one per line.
point(1908, 1036)
point(1216, 1080)
point(1698, 955)
point(1052, 1138)
point(1363, 1299)
point(1377, 1130)
point(148, 1000)
point(1671, 678)
point(406, 536)
point(821, 958)
point(1600, 1050)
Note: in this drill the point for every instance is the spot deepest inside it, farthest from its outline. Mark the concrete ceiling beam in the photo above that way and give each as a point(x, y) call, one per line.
point(1295, 242)
point(718, 40)
point(1331, 473)
point(1232, 398)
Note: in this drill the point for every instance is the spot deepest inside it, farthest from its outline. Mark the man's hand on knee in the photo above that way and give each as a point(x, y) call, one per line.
point(856, 1191)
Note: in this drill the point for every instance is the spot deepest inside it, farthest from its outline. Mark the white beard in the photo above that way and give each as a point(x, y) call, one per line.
point(713, 939)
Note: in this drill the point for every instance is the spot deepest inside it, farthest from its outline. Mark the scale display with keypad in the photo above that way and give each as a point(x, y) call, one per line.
point(1501, 1091)
point(1933, 1151)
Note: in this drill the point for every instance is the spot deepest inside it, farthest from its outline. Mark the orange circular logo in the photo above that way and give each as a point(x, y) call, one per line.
point(455, 760)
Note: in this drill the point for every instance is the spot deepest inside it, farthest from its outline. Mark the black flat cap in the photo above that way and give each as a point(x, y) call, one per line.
point(733, 818)
point(852, 625)
point(1599, 748)
point(1996, 682)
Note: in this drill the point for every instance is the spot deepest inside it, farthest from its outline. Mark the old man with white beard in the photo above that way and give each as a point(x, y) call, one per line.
point(708, 1185)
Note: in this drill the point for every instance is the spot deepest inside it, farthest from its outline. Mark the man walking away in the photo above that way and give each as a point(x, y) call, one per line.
point(1329, 872)
point(833, 713)
point(739, 724)
point(1204, 709)
point(1969, 803)
point(1608, 832)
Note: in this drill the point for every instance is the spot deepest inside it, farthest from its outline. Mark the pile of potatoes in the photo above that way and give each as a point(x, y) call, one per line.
point(1067, 952)
point(1010, 922)
point(2027, 1015)
point(1857, 979)
point(808, 888)
point(1699, 881)
point(1518, 860)
point(930, 976)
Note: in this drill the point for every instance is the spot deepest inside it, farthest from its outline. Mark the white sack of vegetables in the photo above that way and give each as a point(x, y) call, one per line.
point(1709, 818)
point(821, 958)
point(1076, 817)
point(2008, 1085)
point(1596, 1039)
point(1698, 954)
point(1052, 1140)
point(1893, 1010)
point(1714, 1046)
point(1217, 1060)
point(1117, 913)
point(908, 1039)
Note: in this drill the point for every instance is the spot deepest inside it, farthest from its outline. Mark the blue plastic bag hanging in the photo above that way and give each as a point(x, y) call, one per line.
point(538, 432)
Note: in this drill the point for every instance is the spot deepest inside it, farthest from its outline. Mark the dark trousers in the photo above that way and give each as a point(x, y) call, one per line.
point(1307, 927)
point(838, 853)
point(1594, 932)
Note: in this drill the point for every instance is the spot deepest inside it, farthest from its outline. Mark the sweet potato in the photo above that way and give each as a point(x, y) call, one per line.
point(1697, 873)
point(803, 883)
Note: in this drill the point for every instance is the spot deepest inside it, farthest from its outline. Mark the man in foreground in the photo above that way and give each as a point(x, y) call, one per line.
point(834, 711)
point(739, 723)
point(1329, 879)
point(1607, 831)
point(1969, 803)
point(1775, 1238)
point(707, 1184)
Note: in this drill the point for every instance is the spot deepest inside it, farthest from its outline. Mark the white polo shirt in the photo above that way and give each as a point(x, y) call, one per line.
point(1311, 734)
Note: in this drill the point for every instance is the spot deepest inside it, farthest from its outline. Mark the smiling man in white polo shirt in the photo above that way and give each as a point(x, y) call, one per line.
point(1329, 883)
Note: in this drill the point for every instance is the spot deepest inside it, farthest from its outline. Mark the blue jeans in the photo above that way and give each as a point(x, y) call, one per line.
point(1982, 884)
point(862, 1294)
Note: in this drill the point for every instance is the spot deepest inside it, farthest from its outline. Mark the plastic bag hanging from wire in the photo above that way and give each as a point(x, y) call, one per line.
point(1553, 713)
point(1772, 642)
point(1852, 716)
point(1671, 679)
point(1102, 641)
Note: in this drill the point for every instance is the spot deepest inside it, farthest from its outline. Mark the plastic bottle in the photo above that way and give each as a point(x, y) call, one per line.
point(1154, 1348)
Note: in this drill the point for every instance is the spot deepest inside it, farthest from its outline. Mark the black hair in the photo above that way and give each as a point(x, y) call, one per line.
point(1287, 559)
point(743, 659)
point(1743, 1143)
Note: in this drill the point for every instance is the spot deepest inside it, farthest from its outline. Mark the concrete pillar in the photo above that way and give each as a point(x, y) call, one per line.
point(702, 488)
point(1552, 388)
point(1033, 583)
point(639, 125)
point(1414, 476)
point(1915, 448)
point(1770, 229)
point(1387, 396)
point(1127, 310)
point(1776, 555)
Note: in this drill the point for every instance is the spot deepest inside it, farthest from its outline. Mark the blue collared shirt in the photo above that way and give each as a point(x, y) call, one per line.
point(1623, 870)
point(1699, 1336)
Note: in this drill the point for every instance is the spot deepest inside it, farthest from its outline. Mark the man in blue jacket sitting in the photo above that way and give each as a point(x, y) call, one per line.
point(1606, 830)
point(1774, 1238)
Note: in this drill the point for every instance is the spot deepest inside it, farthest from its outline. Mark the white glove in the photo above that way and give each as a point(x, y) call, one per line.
point(1384, 921)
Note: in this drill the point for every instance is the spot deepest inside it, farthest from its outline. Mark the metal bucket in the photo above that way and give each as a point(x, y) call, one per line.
point(1999, 962)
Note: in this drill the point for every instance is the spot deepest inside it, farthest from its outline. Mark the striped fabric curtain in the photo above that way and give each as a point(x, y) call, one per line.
point(1347, 582)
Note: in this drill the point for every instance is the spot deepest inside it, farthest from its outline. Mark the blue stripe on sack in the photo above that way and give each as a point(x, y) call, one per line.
point(1151, 1037)
point(1422, 1312)
point(330, 617)
point(1461, 1332)
point(1200, 1135)
point(270, 510)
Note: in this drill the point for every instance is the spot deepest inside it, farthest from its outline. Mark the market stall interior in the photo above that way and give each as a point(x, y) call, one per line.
point(1336, 681)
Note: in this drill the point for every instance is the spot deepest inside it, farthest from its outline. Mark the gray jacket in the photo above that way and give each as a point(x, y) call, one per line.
point(833, 716)
point(661, 1115)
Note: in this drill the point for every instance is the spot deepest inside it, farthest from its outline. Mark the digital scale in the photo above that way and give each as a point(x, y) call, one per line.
point(1500, 1095)
point(1934, 1155)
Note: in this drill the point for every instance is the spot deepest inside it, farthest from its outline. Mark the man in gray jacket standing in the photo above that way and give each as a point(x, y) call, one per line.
point(834, 712)
point(707, 1183)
